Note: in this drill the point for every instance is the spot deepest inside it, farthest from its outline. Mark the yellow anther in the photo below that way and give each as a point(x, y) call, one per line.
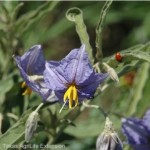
point(72, 96)
point(28, 91)
point(75, 96)
point(23, 84)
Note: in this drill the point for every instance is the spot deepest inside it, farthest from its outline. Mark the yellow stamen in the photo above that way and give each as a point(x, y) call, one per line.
point(28, 91)
point(71, 95)
point(75, 96)
point(23, 84)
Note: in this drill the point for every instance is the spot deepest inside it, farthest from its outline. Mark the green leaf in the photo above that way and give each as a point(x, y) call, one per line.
point(145, 100)
point(132, 57)
point(16, 10)
point(139, 84)
point(11, 136)
point(137, 55)
point(5, 86)
point(14, 134)
point(76, 15)
point(25, 21)
point(92, 128)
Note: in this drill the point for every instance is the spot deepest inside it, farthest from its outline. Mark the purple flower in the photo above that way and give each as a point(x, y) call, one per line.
point(31, 66)
point(137, 131)
point(73, 78)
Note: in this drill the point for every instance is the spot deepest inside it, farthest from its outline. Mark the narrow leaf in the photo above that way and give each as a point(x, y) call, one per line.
point(5, 86)
point(15, 133)
point(76, 15)
point(137, 91)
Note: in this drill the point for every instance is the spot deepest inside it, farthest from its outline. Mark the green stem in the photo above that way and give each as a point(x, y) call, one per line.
point(38, 108)
point(97, 107)
point(99, 28)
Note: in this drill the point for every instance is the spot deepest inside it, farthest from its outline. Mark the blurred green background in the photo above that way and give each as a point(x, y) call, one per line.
point(24, 24)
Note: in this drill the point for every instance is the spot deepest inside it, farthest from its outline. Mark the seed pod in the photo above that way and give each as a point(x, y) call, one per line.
point(31, 125)
point(108, 140)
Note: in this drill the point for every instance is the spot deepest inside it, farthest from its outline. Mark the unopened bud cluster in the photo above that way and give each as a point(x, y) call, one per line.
point(108, 140)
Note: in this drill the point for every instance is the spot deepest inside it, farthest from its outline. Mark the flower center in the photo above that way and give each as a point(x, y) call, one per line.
point(27, 91)
point(72, 96)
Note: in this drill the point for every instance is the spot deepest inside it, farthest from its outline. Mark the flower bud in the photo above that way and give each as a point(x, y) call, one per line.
point(108, 140)
point(112, 73)
point(31, 125)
